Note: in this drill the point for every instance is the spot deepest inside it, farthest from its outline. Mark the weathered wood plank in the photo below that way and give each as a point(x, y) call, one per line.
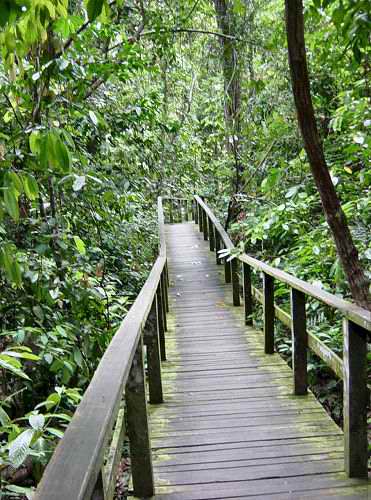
point(230, 414)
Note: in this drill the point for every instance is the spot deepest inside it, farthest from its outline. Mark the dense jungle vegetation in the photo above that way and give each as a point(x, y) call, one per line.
point(107, 104)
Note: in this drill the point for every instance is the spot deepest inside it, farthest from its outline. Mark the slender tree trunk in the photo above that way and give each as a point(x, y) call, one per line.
point(232, 97)
point(334, 214)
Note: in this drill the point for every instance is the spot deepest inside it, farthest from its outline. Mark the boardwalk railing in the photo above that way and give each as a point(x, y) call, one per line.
point(351, 368)
point(85, 462)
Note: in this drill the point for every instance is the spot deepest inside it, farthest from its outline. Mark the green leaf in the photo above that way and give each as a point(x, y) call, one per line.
point(79, 182)
point(19, 448)
point(37, 421)
point(55, 432)
point(4, 417)
point(31, 187)
point(11, 202)
point(22, 355)
point(62, 154)
point(94, 8)
point(93, 117)
point(34, 142)
point(9, 366)
point(80, 245)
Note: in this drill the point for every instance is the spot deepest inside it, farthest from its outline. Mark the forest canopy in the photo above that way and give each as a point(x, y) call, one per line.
point(106, 105)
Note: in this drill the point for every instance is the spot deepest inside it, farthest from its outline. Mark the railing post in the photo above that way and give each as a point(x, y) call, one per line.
point(355, 399)
point(195, 211)
point(218, 247)
point(247, 295)
point(171, 216)
point(167, 275)
point(138, 432)
point(179, 210)
point(186, 210)
point(268, 307)
point(204, 225)
point(227, 270)
point(200, 218)
point(151, 340)
point(98, 493)
point(161, 322)
point(211, 235)
point(299, 342)
point(235, 281)
point(165, 292)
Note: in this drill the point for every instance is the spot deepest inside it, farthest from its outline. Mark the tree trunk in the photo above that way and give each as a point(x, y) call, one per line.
point(232, 87)
point(334, 214)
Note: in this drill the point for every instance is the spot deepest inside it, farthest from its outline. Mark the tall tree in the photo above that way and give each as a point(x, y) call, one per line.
point(334, 214)
point(226, 21)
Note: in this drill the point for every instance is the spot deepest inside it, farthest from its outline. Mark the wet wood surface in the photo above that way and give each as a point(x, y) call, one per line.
point(230, 425)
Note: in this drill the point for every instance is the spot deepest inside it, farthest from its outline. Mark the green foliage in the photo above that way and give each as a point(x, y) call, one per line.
point(105, 106)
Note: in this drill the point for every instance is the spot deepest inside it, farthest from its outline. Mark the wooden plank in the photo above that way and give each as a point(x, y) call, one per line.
point(290, 488)
point(230, 411)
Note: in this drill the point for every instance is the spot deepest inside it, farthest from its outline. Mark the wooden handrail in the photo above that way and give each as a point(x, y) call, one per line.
point(75, 469)
point(358, 315)
point(352, 368)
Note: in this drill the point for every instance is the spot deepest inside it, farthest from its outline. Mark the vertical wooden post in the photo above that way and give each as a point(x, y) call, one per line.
point(355, 399)
point(179, 210)
point(165, 292)
point(235, 264)
point(163, 300)
point(299, 342)
point(186, 210)
point(167, 274)
point(98, 493)
point(227, 270)
point(204, 225)
point(138, 432)
point(211, 235)
point(218, 247)
point(247, 295)
point(195, 209)
point(171, 211)
point(161, 324)
point(200, 219)
point(151, 340)
point(268, 306)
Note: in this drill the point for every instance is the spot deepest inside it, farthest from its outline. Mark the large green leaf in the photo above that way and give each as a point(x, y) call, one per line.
point(94, 8)
point(30, 186)
point(11, 202)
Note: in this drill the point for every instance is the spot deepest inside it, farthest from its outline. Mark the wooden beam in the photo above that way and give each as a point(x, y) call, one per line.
point(299, 342)
point(152, 341)
point(235, 281)
point(268, 311)
point(138, 431)
point(161, 322)
point(211, 236)
point(356, 399)
point(247, 294)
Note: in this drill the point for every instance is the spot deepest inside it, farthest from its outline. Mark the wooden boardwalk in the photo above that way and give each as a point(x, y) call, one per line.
point(230, 426)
